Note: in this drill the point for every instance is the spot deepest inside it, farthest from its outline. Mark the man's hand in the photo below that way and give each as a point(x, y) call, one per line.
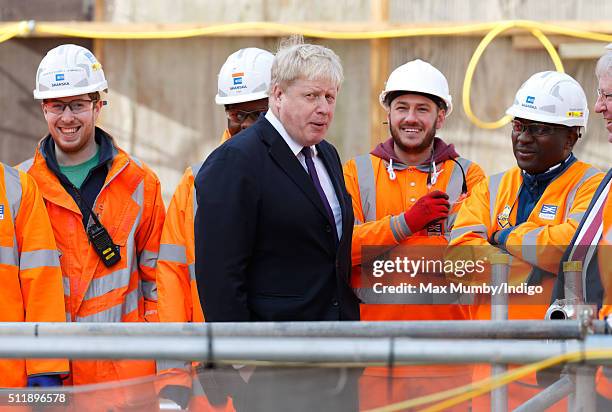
point(428, 209)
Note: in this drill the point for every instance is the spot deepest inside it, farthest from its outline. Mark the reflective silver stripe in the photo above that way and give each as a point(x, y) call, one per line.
point(576, 216)
point(589, 173)
point(12, 184)
point(13, 190)
point(450, 221)
point(25, 165)
point(68, 317)
point(455, 183)
point(119, 278)
point(368, 296)
point(399, 227)
point(195, 168)
point(609, 236)
point(38, 258)
point(172, 253)
point(8, 256)
point(529, 246)
point(115, 313)
point(367, 187)
point(149, 290)
point(192, 271)
point(163, 365)
point(148, 259)
point(453, 188)
point(66, 283)
point(115, 280)
point(494, 182)
point(479, 230)
point(136, 160)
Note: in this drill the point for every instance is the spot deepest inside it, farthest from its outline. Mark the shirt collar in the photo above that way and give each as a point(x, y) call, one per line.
point(295, 147)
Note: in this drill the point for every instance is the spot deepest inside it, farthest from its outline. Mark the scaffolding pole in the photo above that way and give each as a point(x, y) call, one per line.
point(512, 329)
point(280, 350)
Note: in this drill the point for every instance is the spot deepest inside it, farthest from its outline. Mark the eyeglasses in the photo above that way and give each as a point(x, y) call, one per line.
point(534, 129)
point(239, 116)
point(607, 97)
point(76, 106)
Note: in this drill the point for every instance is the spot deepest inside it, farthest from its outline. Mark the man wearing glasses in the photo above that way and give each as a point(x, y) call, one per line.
point(107, 215)
point(532, 211)
point(243, 83)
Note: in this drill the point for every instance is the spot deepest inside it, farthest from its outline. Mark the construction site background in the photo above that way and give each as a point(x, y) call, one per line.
point(161, 96)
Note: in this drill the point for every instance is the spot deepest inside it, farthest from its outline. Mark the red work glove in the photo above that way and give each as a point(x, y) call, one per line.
point(428, 209)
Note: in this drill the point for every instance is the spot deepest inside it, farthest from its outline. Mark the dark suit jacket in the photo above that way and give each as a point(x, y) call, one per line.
point(265, 248)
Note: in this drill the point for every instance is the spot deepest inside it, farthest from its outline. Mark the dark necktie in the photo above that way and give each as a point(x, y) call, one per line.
point(307, 152)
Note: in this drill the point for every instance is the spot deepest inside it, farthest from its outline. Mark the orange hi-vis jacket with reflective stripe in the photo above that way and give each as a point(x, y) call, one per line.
point(131, 208)
point(537, 243)
point(30, 275)
point(176, 287)
point(178, 298)
point(379, 203)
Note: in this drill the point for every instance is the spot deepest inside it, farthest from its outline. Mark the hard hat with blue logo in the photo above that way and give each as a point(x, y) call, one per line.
point(69, 70)
point(551, 97)
point(245, 76)
point(420, 77)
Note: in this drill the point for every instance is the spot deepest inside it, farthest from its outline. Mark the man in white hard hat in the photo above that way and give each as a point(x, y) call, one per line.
point(243, 84)
point(532, 211)
point(107, 216)
point(406, 193)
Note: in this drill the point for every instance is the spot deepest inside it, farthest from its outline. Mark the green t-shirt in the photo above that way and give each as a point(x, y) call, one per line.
point(76, 174)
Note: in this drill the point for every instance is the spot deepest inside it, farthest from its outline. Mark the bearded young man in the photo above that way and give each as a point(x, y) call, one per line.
point(407, 192)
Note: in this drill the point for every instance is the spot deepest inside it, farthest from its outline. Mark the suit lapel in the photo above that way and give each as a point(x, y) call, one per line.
point(284, 157)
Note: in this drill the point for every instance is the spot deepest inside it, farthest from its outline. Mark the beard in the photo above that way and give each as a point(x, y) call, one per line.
point(422, 146)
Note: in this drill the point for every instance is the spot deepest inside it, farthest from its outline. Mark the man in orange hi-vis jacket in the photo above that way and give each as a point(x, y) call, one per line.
point(32, 288)
point(531, 211)
point(406, 192)
point(107, 216)
point(244, 100)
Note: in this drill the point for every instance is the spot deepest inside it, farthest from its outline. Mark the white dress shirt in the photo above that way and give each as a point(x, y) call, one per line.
point(324, 178)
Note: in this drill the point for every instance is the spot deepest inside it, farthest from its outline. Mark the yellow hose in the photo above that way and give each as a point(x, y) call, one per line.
point(17, 29)
point(456, 396)
point(494, 29)
point(469, 74)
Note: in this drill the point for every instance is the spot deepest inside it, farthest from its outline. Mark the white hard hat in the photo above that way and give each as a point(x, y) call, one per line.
point(551, 97)
point(420, 77)
point(69, 70)
point(245, 76)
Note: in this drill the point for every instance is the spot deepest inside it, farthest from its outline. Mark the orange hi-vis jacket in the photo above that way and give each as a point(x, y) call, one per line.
point(379, 202)
point(131, 208)
point(176, 288)
point(178, 299)
point(30, 275)
point(537, 243)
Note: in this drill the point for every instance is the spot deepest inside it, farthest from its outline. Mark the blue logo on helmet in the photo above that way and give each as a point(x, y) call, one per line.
point(59, 77)
point(530, 99)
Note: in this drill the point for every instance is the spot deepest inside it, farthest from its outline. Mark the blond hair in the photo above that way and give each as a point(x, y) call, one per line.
point(296, 59)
